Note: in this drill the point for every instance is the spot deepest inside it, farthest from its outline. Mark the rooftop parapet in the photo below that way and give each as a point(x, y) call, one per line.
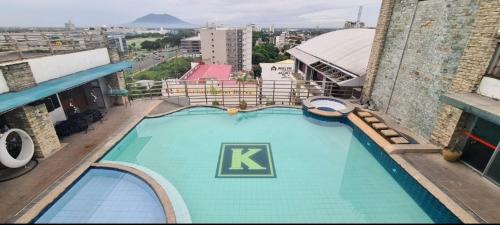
point(18, 46)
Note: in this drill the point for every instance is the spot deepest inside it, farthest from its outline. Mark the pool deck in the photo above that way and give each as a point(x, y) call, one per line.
point(24, 191)
point(479, 197)
point(454, 182)
point(469, 189)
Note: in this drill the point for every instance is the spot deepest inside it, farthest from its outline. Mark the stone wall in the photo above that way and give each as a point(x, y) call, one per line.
point(18, 76)
point(114, 57)
point(384, 20)
point(423, 46)
point(117, 80)
point(36, 122)
point(472, 66)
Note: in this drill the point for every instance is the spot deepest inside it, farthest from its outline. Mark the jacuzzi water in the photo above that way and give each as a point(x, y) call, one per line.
point(316, 171)
point(327, 105)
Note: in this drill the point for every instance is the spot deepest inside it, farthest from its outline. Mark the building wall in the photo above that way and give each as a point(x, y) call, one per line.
point(191, 47)
point(378, 45)
point(228, 49)
point(51, 67)
point(247, 49)
point(489, 87)
point(18, 76)
point(36, 122)
point(3, 84)
point(58, 114)
point(423, 45)
point(472, 67)
point(233, 49)
point(218, 53)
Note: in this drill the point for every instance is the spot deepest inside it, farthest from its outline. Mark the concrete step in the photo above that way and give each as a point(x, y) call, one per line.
point(371, 119)
point(399, 140)
point(389, 133)
point(379, 126)
point(364, 114)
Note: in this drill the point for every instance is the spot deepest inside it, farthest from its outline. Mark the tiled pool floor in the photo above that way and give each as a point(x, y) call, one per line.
point(106, 196)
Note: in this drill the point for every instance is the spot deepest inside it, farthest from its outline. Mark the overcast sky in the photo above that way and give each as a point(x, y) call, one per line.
point(281, 13)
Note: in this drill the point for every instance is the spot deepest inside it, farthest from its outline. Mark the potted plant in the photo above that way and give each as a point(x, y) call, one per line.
point(243, 104)
point(214, 92)
point(451, 153)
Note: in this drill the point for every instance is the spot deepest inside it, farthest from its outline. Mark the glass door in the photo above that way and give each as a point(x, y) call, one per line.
point(493, 168)
point(479, 147)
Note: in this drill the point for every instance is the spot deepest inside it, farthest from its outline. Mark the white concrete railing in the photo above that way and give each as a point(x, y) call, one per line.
point(56, 66)
point(18, 46)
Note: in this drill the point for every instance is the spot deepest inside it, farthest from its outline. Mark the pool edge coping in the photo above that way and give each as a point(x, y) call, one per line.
point(161, 194)
point(32, 210)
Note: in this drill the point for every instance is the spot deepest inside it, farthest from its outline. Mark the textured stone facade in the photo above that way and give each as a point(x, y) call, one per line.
point(423, 46)
point(384, 20)
point(114, 57)
point(18, 76)
point(473, 64)
point(36, 122)
point(117, 80)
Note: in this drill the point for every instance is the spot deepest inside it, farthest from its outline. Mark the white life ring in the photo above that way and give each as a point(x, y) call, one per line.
point(27, 150)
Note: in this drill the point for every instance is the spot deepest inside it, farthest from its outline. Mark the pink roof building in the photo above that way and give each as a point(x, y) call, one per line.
point(203, 72)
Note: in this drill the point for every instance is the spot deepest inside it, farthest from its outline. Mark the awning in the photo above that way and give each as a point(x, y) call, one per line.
point(302, 56)
point(13, 100)
point(475, 104)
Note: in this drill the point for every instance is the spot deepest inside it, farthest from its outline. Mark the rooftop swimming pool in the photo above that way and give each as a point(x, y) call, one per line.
point(106, 196)
point(275, 165)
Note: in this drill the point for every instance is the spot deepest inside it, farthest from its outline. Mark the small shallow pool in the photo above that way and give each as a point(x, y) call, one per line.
point(276, 165)
point(106, 196)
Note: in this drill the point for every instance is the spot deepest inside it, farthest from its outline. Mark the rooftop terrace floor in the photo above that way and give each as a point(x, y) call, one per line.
point(20, 192)
point(470, 190)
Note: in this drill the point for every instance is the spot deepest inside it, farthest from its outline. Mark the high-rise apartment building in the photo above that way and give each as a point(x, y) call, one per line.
point(191, 45)
point(231, 46)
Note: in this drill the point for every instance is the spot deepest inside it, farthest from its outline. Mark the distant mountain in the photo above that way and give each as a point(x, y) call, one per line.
point(161, 20)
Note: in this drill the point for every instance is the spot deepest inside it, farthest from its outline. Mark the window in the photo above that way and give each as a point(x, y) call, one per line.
point(494, 67)
point(50, 102)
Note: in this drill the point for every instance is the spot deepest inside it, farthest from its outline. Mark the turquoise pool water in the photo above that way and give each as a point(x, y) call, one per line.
point(322, 171)
point(106, 196)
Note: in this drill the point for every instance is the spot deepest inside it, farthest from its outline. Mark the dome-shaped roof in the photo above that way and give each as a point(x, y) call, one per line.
point(348, 49)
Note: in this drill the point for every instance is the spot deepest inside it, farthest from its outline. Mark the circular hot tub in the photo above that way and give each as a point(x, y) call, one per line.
point(328, 106)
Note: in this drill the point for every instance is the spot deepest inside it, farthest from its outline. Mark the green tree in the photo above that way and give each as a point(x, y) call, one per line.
point(150, 45)
point(174, 68)
point(266, 53)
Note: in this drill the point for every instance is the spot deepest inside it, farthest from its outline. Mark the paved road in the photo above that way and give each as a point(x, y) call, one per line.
point(150, 59)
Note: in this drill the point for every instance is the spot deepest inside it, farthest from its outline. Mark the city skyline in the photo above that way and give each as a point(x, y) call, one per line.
point(293, 14)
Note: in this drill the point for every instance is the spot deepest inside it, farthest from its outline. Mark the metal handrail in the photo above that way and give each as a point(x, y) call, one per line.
point(253, 92)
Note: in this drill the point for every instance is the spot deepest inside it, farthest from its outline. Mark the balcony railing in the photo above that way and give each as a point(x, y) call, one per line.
point(231, 92)
point(16, 46)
